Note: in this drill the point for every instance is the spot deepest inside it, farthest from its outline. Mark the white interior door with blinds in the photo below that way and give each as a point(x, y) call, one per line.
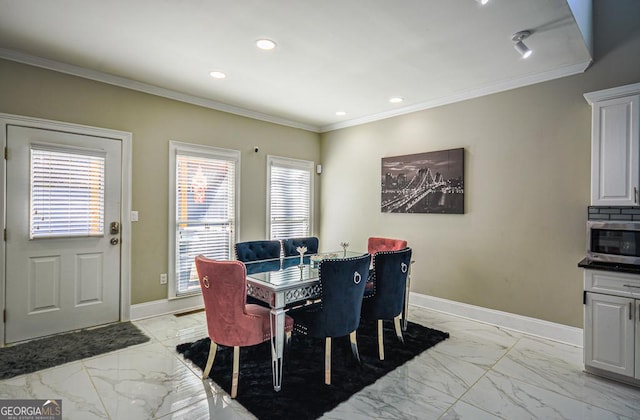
point(290, 197)
point(62, 218)
point(203, 211)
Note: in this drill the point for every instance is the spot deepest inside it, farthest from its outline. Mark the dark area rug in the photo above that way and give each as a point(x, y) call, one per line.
point(304, 394)
point(58, 349)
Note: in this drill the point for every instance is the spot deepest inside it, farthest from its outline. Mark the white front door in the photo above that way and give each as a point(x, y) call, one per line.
point(62, 257)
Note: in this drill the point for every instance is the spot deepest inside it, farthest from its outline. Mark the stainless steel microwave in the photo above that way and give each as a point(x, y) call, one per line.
point(613, 241)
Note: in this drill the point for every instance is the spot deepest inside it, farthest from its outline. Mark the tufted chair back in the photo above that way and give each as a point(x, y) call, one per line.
point(375, 244)
point(257, 250)
point(289, 245)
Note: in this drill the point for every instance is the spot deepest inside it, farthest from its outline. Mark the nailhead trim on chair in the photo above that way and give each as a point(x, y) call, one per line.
point(374, 268)
point(331, 259)
point(301, 328)
point(374, 289)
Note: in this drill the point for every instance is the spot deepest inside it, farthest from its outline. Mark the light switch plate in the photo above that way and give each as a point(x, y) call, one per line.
point(134, 216)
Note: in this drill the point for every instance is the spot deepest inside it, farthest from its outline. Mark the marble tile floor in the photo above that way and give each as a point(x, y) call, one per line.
point(480, 372)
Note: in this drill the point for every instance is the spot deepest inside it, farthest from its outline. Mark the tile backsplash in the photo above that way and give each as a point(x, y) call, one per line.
point(625, 213)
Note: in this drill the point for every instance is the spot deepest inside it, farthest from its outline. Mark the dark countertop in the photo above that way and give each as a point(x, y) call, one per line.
point(608, 266)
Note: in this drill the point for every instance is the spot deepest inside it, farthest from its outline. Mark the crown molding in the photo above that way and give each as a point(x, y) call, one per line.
point(613, 93)
point(218, 106)
point(146, 88)
point(466, 95)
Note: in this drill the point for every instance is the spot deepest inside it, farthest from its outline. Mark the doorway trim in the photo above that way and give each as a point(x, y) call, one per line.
point(125, 207)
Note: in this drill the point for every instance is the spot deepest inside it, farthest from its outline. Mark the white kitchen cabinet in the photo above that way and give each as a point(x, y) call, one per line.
point(612, 325)
point(637, 375)
point(610, 334)
point(615, 146)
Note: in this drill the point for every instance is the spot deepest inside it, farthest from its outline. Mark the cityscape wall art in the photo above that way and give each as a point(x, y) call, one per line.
point(430, 182)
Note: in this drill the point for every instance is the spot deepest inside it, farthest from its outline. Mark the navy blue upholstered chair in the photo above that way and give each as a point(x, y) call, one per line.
point(250, 251)
point(342, 286)
point(289, 245)
point(257, 250)
point(262, 266)
point(390, 271)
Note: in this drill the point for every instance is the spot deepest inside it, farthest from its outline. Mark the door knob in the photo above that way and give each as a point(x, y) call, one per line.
point(114, 241)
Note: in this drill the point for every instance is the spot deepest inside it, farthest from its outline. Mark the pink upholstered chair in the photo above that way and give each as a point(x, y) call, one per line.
point(230, 320)
point(375, 244)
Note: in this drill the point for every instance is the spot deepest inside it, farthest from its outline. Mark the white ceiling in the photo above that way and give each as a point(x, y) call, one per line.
point(331, 55)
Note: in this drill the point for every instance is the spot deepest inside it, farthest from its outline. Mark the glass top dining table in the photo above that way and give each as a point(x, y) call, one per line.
point(282, 283)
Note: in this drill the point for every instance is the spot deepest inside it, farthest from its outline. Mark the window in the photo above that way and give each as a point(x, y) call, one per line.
point(67, 192)
point(289, 197)
point(203, 210)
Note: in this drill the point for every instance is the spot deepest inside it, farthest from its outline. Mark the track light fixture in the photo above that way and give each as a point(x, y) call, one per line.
point(518, 37)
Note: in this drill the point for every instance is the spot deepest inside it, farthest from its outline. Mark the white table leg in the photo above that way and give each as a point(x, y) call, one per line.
point(277, 345)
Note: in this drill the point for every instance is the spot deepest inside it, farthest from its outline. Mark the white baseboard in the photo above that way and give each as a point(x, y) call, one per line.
point(166, 306)
point(523, 324)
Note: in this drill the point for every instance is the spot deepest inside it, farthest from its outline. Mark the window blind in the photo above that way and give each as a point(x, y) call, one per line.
point(290, 200)
point(66, 193)
point(205, 214)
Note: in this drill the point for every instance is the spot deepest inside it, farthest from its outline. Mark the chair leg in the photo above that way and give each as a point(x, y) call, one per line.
point(236, 367)
point(396, 323)
point(380, 340)
point(212, 355)
point(327, 355)
point(327, 360)
point(354, 346)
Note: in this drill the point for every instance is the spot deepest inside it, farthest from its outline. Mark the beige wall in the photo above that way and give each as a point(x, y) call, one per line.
point(527, 176)
point(154, 121)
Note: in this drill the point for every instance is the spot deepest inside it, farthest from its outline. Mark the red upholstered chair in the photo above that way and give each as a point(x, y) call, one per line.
point(385, 244)
point(230, 320)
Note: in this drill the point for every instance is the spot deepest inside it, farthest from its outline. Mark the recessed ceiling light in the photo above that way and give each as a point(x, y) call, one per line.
point(217, 75)
point(396, 100)
point(265, 44)
point(483, 2)
point(341, 113)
